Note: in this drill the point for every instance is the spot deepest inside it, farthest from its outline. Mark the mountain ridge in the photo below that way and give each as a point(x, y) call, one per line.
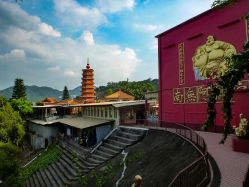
point(37, 93)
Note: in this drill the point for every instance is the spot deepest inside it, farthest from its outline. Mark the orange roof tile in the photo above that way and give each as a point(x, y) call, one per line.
point(119, 95)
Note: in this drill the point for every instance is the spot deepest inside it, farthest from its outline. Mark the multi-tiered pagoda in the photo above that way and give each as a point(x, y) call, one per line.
point(87, 88)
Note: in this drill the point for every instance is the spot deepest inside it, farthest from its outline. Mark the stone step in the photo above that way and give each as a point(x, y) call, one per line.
point(36, 183)
point(133, 130)
point(39, 177)
point(55, 176)
point(103, 153)
point(113, 147)
point(60, 175)
point(107, 150)
point(50, 178)
point(65, 172)
point(69, 154)
point(117, 143)
point(132, 136)
point(80, 162)
point(45, 179)
point(69, 168)
point(30, 181)
point(95, 161)
point(98, 157)
point(122, 139)
point(27, 183)
point(90, 164)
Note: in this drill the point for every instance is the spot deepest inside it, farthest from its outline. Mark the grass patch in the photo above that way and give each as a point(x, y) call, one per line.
point(46, 158)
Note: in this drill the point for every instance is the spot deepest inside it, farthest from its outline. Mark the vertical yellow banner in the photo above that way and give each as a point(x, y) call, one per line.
point(181, 64)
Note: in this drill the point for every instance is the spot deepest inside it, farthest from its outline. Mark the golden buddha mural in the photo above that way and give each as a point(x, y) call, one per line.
point(210, 59)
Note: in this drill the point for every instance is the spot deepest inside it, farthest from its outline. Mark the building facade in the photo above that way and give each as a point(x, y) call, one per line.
point(192, 53)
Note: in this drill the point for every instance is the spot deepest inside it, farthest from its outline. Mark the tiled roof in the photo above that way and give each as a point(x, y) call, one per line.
point(119, 95)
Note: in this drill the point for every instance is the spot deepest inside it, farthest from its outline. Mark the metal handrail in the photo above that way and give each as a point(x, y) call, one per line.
point(196, 140)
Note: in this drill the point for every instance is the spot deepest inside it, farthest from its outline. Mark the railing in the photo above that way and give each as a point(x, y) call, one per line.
point(196, 173)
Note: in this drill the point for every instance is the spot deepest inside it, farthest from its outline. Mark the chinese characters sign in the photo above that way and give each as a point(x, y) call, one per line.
point(199, 94)
point(181, 64)
point(195, 94)
point(247, 29)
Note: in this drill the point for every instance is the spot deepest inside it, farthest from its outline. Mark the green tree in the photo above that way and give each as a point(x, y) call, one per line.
point(9, 164)
point(11, 125)
point(3, 101)
point(23, 106)
point(109, 91)
point(19, 90)
point(221, 3)
point(65, 95)
point(238, 66)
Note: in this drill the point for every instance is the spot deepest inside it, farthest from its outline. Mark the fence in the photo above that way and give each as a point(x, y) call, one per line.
point(196, 173)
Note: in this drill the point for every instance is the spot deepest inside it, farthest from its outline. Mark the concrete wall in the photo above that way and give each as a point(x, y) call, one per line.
point(44, 131)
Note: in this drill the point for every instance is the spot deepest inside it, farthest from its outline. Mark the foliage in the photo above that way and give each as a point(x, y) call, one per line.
point(134, 157)
point(137, 89)
point(238, 66)
point(222, 3)
point(109, 91)
point(3, 101)
point(19, 90)
point(52, 154)
point(23, 106)
point(65, 95)
point(9, 164)
point(11, 125)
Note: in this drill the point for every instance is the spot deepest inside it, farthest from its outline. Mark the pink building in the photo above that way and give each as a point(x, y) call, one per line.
point(193, 51)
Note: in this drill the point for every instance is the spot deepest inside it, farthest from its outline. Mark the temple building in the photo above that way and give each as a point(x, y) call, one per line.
point(193, 54)
point(87, 88)
point(119, 96)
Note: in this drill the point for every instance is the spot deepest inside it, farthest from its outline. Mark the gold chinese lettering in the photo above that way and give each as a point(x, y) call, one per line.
point(181, 63)
point(178, 95)
point(190, 95)
point(202, 93)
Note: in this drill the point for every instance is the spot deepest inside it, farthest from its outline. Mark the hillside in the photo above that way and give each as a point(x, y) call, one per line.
point(135, 88)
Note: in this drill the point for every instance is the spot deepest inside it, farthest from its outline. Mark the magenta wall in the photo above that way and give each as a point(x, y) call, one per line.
point(224, 24)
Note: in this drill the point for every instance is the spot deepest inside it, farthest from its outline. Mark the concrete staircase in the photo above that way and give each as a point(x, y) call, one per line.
point(72, 164)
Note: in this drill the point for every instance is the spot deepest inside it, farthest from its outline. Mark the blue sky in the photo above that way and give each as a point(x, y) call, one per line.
point(47, 42)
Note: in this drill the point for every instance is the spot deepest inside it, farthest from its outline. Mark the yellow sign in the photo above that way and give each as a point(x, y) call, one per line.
point(210, 59)
point(247, 29)
point(181, 64)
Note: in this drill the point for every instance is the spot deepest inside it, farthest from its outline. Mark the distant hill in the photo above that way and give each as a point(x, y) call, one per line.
point(136, 88)
point(34, 93)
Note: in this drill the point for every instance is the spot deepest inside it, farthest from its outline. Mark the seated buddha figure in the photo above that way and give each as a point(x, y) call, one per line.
point(211, 58)
point(243, 129)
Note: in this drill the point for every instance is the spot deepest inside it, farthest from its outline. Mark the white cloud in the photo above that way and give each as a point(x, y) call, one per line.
point(112, 6)
point(13, 55)
point(77, 16)
point(87, 37)
point(149, 27)
point(54, 68)
point(59, 60)
point(48, 30)
point(70, 73)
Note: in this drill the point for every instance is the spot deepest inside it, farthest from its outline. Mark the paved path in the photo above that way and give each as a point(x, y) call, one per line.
point(233, 165)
